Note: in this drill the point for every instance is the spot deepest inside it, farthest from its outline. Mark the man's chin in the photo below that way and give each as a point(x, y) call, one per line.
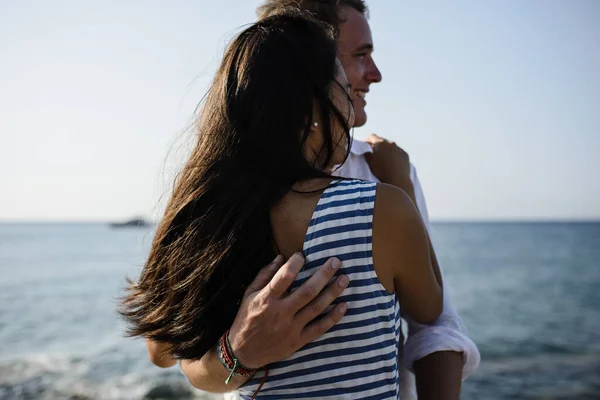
point(360, 119)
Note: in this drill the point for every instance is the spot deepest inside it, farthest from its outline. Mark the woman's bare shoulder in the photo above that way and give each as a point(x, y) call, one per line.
point(393, 205)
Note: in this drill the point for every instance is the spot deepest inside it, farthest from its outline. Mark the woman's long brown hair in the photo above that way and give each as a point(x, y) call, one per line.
point(216, 232)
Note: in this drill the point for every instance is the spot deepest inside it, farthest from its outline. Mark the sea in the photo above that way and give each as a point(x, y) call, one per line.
point(528, 292)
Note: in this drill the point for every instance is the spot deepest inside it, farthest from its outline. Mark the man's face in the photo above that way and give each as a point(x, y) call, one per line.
point(355, 48)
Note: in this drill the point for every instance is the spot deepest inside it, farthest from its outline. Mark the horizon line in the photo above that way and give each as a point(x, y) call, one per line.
point(433, 220)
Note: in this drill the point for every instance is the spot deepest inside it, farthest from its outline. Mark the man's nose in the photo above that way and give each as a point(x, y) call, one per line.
point(373, 73)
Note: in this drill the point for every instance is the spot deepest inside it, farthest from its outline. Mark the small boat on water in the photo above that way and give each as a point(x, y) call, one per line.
point(132, 223)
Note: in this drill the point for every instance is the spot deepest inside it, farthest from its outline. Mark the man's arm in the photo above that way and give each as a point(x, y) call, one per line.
point(272, 324)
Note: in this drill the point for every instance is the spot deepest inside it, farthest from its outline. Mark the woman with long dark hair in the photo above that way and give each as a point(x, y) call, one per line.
point(273, 127)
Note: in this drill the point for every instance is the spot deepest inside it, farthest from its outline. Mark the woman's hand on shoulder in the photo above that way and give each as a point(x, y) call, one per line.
point(401, 247)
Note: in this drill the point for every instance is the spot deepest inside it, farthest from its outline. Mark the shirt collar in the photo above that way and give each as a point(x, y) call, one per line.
point(360, 148)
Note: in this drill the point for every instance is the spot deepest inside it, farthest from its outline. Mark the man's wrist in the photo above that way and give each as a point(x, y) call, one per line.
point(230, 361)
point(209, 374)
point(237, 349)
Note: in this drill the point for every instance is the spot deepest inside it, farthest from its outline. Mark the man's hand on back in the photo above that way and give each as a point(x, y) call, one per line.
point(272, 324)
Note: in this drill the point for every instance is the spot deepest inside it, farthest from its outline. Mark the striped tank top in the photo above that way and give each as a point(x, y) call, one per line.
point(357, 358)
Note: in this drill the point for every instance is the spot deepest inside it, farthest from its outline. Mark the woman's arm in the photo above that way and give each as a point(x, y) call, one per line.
point(438, 376)
point(446, 338)
point(401, 249)
point(441, 352)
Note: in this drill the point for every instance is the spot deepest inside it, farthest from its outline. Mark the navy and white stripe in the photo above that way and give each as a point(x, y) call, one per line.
point(357, 358)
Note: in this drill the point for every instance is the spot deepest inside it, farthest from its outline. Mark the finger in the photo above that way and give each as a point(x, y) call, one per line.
point(324, 300)
point(286, 275)
point(316, 329)
point(264, 276)
point(310, 289)
point(372, 139)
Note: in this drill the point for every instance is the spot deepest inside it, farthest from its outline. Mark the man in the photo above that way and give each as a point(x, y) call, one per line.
point(264, 331)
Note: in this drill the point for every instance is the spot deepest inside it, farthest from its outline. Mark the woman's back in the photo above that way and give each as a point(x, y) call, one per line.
point(358, 357)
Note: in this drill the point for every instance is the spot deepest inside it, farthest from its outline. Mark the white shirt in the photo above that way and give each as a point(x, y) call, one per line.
point(447, 333)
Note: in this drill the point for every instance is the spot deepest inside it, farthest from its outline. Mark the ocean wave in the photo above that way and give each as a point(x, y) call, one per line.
point(51, 377)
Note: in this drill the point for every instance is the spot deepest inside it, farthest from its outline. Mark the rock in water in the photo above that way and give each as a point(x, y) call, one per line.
point(168, 391)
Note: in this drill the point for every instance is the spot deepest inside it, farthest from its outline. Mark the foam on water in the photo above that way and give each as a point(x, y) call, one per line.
point(51, 377)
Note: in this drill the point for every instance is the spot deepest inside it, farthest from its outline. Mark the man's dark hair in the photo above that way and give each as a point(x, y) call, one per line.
point(327, 11)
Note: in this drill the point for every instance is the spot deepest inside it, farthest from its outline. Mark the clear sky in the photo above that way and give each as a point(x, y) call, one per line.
point(497, 102)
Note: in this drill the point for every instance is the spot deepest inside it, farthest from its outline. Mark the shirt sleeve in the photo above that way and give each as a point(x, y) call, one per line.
point(447, 333)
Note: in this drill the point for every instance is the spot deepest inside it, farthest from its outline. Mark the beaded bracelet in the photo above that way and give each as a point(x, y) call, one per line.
point(229, 361)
